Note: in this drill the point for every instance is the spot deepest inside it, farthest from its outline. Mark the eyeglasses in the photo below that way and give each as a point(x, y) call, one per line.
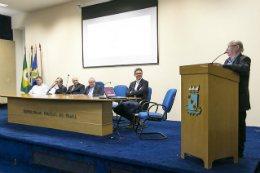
point(138, 73)
point(229, 46)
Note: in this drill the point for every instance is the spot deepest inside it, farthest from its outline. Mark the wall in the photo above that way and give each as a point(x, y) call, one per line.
point(190, 32)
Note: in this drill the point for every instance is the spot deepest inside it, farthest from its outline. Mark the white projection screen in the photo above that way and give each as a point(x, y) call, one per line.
point(128, 38)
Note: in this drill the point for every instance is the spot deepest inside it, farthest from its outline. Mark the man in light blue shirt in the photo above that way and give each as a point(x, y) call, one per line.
point(93, 89)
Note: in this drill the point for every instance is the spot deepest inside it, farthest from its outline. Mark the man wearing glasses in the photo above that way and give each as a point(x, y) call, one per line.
point(137, 88)
point(58, 88)
point(241, 64)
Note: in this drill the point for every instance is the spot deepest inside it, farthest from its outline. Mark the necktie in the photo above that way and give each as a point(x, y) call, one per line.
point(73, 88)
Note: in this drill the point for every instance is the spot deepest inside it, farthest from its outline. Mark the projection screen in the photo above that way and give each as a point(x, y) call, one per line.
point(128, 38)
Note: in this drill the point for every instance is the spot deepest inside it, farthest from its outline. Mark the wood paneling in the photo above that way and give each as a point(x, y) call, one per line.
point(89, 116)
point(7, 69)
point(213, 134)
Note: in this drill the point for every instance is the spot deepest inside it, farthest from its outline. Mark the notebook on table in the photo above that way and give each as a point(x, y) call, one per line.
point(111, 94)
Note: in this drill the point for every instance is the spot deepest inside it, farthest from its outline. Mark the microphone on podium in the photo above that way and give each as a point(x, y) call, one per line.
point(219, 56)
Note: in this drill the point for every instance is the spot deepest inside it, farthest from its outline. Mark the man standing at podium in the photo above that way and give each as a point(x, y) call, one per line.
point(240, 64)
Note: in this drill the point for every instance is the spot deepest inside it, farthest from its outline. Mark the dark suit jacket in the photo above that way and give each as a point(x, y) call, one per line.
point(143, 92)
point(97, 90)
point(79, 89)
point(241, 65)
point(62, 90)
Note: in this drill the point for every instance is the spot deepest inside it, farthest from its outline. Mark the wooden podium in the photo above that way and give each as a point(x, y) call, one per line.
point(209, 114)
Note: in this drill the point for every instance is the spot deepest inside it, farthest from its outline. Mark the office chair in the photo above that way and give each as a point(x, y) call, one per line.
point(155, 116)
point(102, 85)
point(120, 91)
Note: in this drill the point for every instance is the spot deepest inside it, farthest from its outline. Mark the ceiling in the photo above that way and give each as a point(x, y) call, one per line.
point(23, 6)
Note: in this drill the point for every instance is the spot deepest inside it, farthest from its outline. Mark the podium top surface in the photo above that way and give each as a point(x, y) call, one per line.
point(62, 97)
point(209, 69)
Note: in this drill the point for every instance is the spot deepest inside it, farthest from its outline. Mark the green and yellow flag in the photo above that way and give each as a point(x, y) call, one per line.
point(25, 78)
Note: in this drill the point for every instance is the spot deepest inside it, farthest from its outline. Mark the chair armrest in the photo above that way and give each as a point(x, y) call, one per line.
point(157, 105)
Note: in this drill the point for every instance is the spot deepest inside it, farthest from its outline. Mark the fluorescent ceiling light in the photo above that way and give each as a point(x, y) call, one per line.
point(3, 5)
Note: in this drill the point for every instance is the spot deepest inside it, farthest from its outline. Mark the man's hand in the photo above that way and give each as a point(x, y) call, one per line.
point(218, 64)
point(140, 88)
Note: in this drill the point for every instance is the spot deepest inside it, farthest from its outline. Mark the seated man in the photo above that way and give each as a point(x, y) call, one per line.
point(58, 88)
point(76, 88)
point(93, 89)
point(137, 88)
point(40, 88)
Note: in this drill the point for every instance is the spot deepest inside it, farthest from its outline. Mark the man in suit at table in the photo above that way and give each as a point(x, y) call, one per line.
point(93, 89)
point(137, 88)
point(76, 88)
point(58, 88)
point(241, 64)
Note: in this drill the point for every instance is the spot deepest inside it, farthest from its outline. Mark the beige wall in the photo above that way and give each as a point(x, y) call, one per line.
point(190, 32)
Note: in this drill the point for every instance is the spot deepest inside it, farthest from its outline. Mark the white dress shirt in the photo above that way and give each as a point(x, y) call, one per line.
point(90, 93)
point(53, 90)
point(39, 89)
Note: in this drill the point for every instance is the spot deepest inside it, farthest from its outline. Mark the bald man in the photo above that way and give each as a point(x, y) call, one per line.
point(76, 88)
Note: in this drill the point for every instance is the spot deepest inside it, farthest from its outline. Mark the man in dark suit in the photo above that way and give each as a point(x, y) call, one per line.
point(241, 64)
point(137, 88)
point(58, 88)
point(61, 89)
point(76, 88)
point(93, 89)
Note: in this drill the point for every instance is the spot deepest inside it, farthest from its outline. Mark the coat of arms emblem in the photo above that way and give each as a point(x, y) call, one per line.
point(193, 96)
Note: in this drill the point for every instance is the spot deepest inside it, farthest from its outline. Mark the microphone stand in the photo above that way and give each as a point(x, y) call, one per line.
point(53, 84)
point(67, 80)
point(218, 57)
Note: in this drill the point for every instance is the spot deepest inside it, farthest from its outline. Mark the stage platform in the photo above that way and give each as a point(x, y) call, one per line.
point(35, 149)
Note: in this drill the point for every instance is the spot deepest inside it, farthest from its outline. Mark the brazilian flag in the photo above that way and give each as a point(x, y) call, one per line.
point(25, 78)
point(34, 74)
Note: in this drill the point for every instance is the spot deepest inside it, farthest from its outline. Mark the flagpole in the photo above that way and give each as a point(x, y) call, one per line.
point(36, 55)
point(40, 46)
point(30, 64)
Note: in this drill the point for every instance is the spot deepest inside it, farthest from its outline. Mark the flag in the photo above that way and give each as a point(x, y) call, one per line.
point(25, 79)
point(34, 71)
point(31, 79)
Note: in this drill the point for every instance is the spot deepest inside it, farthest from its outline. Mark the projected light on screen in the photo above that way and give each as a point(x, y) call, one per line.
point(122, 39)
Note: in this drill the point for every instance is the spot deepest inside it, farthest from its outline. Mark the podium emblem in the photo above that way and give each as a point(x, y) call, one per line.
point(193, 96)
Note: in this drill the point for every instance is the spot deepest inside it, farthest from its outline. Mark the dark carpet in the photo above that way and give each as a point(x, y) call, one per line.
point(156, 154)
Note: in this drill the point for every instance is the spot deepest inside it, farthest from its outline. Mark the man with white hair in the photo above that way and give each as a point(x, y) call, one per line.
point(76, 88)
point(93, 89)
point(239, 63)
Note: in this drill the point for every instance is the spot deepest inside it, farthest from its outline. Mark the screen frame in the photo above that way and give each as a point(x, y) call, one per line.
point(116, 7)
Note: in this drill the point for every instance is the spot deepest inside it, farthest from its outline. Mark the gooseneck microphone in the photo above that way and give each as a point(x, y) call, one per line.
point(218, 57)
point(53, 84)
point(67, 80)
point(107, 83)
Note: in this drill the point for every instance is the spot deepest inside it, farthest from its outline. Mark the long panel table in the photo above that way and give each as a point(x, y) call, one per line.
point(76, 113)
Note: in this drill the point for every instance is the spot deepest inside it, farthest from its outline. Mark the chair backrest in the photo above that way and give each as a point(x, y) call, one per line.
point(149, 93)
point(120, 90)
point(101, 84)
point(169, 99)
